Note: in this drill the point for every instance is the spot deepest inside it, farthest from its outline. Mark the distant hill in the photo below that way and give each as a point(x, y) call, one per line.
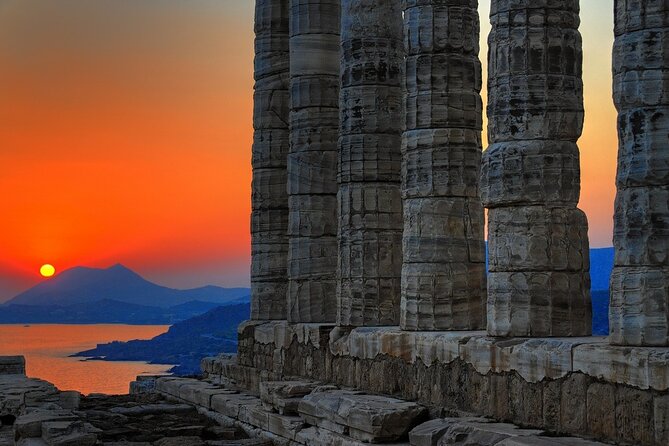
point(82, 285)
point(103, 312)
point(185, 343)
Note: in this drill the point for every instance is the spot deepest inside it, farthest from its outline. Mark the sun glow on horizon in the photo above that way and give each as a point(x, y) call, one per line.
point(47, 270)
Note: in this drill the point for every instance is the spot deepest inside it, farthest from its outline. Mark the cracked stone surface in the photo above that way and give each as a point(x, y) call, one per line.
point(369, 200)
point(269, 217)
point(312, 160)
point(443, 273)
point(539, 251)
point(639, 309)
point(363, 417)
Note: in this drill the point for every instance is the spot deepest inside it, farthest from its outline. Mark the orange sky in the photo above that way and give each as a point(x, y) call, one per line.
point(125, 133)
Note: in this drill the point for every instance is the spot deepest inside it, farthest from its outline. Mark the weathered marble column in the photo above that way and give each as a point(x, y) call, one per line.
point(443, 274)
point(371, 124)
point(312, 162)
point(639, 311)
point(539, 282)
point(269, 218)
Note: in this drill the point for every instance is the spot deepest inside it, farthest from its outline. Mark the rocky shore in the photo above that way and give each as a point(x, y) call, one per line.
point(35, 413)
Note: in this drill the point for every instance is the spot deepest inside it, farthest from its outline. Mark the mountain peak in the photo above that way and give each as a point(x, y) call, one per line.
point(120, 267)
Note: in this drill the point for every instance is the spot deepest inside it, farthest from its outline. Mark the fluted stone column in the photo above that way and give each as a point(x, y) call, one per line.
point(312, 162)
point(639, 310)
point(269, 218)
point(539, 282)
point(443, 274)
point(371, 124)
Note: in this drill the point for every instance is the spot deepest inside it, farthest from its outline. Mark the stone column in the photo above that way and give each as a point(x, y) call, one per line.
point(444, 274)
point(639, 310)
point(269, 218)
point(539, 282)
point(312, 162)
point(370, 205)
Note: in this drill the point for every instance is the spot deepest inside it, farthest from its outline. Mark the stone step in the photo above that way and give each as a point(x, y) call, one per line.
point(481, 431)
point(284, 397)
point(368, 418)
point(249, 411)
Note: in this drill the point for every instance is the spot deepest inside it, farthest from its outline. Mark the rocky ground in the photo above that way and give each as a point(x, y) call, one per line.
point(148, 420)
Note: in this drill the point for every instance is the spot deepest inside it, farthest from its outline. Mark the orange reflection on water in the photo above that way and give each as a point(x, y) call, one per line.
point(47, 349)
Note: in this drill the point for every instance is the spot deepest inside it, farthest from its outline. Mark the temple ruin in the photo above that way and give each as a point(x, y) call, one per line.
point(402, 248)
point(374, 318)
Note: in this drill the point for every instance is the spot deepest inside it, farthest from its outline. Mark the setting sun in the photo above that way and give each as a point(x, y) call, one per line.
point(47, 270)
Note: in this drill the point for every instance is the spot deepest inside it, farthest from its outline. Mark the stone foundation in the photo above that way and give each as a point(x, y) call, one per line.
point(568, 386)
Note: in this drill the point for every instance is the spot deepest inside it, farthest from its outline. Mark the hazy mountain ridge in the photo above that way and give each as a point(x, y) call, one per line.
point(115, 295)
point(103, 312)
point(86, 285)
point(185, 343)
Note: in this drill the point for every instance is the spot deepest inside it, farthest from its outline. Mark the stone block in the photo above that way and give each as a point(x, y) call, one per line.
point(548, 441)
point(269, 300)
point(268, 188)
point(373, 59)
point(538, 238)
point(316, 91)
point(369, 207)
point(448, 73)
point(641, 227)
point(482, 433)
point(433, 109)
point(443, 230)
point(314, 54)
point(29, 425)
point(443, 296)
point(531, 172)
point(573, 403)
point(271, 106)
point(270, 225)
point(646, 49)
point(171, 385)
point(555, 110)
point(430, 432)
point(539, 303)
point(284, 396)
point(272, 55)
point(311, 174)
point(12, 365)
point(363, 18)
point(661, 418)
point(369, 158)
point(642, 156)
point(371, 109)
point(441, 163)
point(313, 299)
point(633, 413)
point(284, 426)
point(230, 404)
point(364, 417)
point(601, 411)
point(634, 15)
point(67, 433)
point(270, 148)
point(440, 28)
point(645, 368)
point(311, 216)
point(314, 130)
point(641, 89)
point(314, 16)
point(639, 307)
